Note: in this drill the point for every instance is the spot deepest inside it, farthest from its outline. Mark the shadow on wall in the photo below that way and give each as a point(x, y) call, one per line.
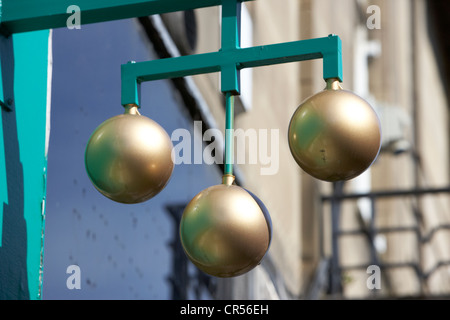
point(13, 249)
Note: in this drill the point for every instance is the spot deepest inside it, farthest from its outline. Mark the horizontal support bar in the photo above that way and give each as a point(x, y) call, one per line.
point(174, 67)
point(328, 48)
point(31, 15)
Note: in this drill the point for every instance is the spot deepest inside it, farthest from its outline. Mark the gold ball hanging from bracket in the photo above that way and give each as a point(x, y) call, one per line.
point(225, 230)
point(128, 157)
point(334, 135)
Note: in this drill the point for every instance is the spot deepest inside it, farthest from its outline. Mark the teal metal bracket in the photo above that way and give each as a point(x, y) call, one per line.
point(229, 60)
point(327, 48)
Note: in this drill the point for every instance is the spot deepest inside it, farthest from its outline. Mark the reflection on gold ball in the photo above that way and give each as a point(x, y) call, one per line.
point(334, 135)
point(225, 230)
point(128, 158)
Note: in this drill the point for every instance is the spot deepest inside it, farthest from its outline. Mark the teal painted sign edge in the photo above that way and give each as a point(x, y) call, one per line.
point(30, 110)
point(31, 55)
point(31, 15)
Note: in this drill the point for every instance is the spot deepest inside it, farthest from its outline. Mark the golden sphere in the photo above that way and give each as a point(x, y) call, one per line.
point(334, 135)
point(128, 157)
point(225, 230)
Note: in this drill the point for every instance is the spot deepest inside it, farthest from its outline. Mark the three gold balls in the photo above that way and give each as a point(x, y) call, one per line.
point(226, 230)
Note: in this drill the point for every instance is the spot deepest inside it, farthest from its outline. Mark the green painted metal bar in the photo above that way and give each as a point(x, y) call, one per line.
point(229, 130)
point(136, 73)
point(231, 16)
point(130, 87)
point(31, 15)
point(328, 48)
point(230, 42)
point(332, 59)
